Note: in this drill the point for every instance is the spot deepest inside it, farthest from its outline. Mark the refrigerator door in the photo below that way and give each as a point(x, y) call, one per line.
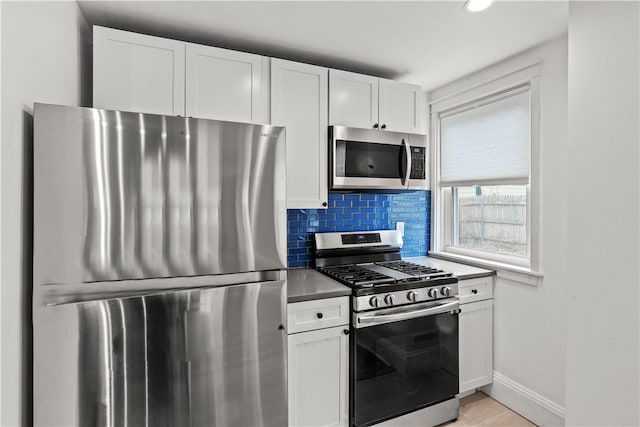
point(121, 195)
point(199, 357)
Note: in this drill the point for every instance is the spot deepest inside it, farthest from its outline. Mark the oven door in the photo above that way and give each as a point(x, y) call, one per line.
point(371, 159)
point(403, 359)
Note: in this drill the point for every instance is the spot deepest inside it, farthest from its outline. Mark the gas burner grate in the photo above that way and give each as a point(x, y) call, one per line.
point(356, 275)
point(417, 270)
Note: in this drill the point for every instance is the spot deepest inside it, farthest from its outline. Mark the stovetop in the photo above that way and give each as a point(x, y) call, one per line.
point(356, 275)
point(417, 270)
point(382, 273)
point(405, 283)
point(370, 263)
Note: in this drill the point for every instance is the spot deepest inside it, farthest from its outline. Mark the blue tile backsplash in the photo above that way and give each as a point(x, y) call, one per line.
point(361, 212)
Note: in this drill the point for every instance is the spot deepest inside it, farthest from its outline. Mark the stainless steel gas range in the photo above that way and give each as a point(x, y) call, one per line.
point(404, 330)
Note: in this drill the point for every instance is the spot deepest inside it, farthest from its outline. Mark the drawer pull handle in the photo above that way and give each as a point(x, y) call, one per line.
point(320, 315)
point(474, 291)
point(346, 332)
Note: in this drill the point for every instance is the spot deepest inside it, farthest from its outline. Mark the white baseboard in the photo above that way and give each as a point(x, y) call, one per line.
point(531, 405)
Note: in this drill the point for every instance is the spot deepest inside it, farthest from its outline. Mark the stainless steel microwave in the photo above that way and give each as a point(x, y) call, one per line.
point(367, 159)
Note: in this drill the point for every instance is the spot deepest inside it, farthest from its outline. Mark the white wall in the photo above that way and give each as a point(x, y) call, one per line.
point(603, 356)
point(42, 47)
point(1, 235)
point(530, 321)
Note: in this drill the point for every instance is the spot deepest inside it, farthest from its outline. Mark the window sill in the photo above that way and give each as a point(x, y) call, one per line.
point(508, 272)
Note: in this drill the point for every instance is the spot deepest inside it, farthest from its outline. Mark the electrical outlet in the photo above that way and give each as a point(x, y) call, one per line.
point(400, 227)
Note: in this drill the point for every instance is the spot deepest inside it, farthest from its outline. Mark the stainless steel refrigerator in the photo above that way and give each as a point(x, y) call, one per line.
point(159, 283)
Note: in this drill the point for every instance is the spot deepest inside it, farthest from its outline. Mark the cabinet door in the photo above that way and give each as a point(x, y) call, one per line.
point(226, 85)
point(318, 377)
point(134, 72)
point(476, 344)
point(299, 98)
point(353, 99)
point(400, 106)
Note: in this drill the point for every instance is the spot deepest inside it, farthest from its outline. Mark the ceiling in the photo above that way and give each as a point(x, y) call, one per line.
point(428, 43)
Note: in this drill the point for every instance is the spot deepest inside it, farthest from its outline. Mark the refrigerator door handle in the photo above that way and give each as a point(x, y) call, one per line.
point(51, 295)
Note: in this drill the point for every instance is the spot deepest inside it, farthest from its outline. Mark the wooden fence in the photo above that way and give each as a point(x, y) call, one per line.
point(493, 222)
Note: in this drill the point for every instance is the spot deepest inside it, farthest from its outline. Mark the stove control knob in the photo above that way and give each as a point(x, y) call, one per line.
point(412, 296)
point(445, 291)
point(433, 293)
point(374, 301)
point(389, 299)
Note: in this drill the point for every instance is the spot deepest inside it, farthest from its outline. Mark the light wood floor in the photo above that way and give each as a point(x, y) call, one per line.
point(479, 409)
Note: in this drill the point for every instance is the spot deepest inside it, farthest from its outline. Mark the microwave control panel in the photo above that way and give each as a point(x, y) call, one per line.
point(418, 163)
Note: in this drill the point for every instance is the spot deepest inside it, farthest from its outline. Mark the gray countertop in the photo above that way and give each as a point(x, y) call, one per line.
point(305, 284)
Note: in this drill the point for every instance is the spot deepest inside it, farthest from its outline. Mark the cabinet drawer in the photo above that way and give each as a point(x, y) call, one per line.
point(475, 289)
point(317, 314)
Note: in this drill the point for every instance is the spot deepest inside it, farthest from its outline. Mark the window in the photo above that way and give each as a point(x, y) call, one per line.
point(483, 173)
point(491, 219)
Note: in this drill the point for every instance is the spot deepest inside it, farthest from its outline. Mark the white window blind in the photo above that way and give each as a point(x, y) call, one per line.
point(488, 144)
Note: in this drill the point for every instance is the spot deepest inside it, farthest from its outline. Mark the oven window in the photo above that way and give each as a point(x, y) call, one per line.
point(403, 366)
point(364, 159)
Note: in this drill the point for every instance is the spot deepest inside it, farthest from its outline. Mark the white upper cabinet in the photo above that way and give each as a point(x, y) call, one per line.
point(353, 99)
point(224, 84)
point(299, 98)
point(363, 101)
point(400, 106)
point(135, 72)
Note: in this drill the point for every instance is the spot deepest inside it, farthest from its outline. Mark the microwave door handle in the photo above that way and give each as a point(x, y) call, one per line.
point(407, 149)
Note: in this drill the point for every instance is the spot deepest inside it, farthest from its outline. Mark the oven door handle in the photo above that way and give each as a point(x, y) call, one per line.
point(407, 150)
point(376, 319)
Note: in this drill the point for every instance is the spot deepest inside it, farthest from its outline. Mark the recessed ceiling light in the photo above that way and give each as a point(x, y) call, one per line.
point(477, 5)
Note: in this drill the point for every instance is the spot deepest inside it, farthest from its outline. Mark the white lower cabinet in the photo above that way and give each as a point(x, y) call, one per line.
point(318, 371)
point(476, 344)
